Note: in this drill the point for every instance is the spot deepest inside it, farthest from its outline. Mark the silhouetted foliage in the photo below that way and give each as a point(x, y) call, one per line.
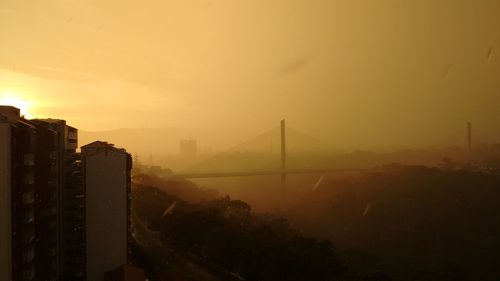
point(223, 233)
point(413, 222)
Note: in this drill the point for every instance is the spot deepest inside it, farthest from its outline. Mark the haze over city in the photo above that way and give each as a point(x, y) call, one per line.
point(257, 140)
point(357, 74)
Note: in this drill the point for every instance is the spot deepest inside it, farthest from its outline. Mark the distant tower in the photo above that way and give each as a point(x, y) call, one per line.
point(136, 158)
point(283, 162)
point(469, 136)
point(188, 148)
point(469, 140)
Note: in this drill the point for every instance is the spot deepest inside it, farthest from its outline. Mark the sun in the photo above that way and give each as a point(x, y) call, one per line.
point(9, 98)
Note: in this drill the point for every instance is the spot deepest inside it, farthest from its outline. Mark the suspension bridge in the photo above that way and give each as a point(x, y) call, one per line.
point(283, 171)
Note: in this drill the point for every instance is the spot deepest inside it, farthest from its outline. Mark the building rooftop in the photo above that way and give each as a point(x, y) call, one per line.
point(12, 115)
point(125, 273)
point(10, 112)
point(52, 121)
point(102, 144)
point(98, 143)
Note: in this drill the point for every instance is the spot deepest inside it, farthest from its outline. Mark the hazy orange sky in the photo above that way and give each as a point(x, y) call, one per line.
point(355, 73)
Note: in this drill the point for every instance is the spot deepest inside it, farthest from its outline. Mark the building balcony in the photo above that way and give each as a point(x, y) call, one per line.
point(28, 198)
point(28, 274)
point(29, 159)
point(29, 178)
point(28, 238)
point(28, 256)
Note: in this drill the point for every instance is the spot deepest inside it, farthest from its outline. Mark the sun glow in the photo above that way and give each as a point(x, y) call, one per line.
point(10, 98)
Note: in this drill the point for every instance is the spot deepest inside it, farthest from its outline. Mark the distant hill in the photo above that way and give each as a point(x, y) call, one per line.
point(221, 148)
point(262, 152)
point(270, 142)
point(161, 141)
point(410, 222)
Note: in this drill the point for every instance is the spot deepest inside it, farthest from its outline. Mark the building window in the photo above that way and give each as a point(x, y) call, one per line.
point(28, 197)
point(29, 159)
point(28, 178)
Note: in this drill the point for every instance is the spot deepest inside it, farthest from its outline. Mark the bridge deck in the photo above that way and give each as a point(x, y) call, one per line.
point(261, 173)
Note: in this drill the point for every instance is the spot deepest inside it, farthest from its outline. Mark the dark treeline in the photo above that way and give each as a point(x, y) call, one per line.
point(390, 223)
point(412, 223)
point(223, 237)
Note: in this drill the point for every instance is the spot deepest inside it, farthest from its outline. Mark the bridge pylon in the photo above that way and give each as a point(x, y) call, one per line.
point(283, 163)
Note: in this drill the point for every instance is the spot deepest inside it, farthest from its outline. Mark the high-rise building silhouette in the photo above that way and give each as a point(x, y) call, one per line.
point(17, 196)
point(47, 190)
point(53, 200)
point(70, 200)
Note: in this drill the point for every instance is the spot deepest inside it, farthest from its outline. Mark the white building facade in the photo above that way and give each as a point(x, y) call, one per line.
point(107, 214)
